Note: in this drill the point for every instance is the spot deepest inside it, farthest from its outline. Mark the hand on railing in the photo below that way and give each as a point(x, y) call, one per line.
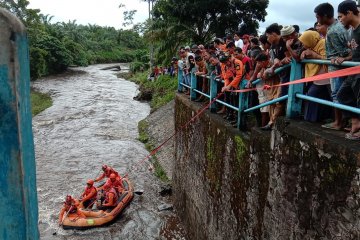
point(249, 85)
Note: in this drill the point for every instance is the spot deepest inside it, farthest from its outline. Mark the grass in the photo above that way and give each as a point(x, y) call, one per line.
point(144, 138)
point(39, 102)
point(162, 89)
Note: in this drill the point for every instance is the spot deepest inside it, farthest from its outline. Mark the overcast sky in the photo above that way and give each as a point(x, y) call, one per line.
point(108, 13)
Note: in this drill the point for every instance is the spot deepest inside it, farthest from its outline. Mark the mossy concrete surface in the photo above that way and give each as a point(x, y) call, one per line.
point(296, 182)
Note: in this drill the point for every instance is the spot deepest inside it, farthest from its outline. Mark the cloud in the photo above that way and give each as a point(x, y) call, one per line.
point(289, 12)
point(102, 13)
point(108, 13)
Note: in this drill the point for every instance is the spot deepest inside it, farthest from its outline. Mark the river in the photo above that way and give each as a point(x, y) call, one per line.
point(93, 121)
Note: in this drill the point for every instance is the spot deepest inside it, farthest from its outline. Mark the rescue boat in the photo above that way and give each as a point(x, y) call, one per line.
point(97, 218)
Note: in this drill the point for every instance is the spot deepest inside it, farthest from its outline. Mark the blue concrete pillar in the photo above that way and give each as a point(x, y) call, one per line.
point(193, 84)
point(213, 91)
point(243, 103)
point(293, 108)
point(180, 80)
point(18, 208)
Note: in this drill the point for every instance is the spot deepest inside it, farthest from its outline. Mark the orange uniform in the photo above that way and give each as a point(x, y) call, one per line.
point(70, 207)
point(232, 74)
point(116, 184)
point(89, 196)
point(111, 198)
point(107, 172)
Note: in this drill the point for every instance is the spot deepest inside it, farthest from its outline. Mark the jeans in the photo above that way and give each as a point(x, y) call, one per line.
point(335, 83)
point(349, 94)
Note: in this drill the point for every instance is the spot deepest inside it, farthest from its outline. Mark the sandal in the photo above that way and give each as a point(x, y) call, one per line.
point(353, 136)
point(330, 126)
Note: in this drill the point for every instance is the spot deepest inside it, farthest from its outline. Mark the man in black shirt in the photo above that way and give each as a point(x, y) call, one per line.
point(349, 93)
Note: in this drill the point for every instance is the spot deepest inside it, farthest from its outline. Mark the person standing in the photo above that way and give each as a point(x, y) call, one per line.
point(349, 92)
point(337, 51)
point(238, 41)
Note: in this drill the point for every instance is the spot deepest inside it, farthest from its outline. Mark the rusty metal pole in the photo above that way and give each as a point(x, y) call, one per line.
point(18, 208)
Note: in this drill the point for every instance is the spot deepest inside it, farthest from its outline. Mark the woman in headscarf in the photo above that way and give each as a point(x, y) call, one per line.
point(314, 48)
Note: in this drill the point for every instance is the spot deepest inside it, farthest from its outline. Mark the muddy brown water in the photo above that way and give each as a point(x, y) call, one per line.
point(93, 121)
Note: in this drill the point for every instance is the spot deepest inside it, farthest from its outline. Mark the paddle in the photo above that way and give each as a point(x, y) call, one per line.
point(67, 213)
point(139, 192)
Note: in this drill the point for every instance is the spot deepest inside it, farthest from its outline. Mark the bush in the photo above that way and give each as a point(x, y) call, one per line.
point(38, 65)
point(58, 58)
point(163, 88)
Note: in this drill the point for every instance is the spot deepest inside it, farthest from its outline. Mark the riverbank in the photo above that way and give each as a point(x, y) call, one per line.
point(39, 101)
point(159, 125)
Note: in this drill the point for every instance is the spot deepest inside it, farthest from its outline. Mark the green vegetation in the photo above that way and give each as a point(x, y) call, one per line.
point(177, 23)
point(162, 89)
point(159, 170)
point(39, 102)
point(144, 138)
point(56, 46)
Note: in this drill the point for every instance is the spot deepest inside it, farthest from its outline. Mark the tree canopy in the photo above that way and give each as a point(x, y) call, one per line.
point(201, 20)
point(56, 46)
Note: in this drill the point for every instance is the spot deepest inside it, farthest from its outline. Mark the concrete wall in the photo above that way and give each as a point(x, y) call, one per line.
point(297, 182)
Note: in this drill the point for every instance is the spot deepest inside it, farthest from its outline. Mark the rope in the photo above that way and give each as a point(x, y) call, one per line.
point(155, 150)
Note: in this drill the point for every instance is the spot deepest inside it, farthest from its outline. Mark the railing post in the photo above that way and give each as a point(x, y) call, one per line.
point(193, 85)
point(243, 103)
point(213, 92)
point(18, 208)
point(294, 104)
point(180, 78)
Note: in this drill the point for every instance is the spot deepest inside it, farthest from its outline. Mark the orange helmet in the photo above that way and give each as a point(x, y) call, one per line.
point(104, 167)
point(90, 182)
point(112, 176)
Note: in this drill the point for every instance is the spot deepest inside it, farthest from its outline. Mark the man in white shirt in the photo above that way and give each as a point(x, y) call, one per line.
point(238, 41)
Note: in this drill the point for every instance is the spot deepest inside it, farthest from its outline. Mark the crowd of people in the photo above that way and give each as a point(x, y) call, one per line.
point(168, 70)
point(238, 60)
point(103, 197)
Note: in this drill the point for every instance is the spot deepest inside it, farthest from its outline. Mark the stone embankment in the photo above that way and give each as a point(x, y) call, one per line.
point(160, 126)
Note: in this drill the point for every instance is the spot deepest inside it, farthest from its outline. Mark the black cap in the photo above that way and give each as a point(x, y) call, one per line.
point(347, 5)
point(230, 44)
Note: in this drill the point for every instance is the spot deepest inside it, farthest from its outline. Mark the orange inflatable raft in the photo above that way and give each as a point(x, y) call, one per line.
point(96, 218)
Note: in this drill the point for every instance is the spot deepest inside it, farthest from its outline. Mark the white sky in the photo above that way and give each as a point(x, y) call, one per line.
point(108, 13)
point(102, 13)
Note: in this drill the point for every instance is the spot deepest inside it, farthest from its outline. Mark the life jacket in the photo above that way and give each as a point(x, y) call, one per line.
point(113, 191)
point(117, 184)
point(88, 190)
point(109, 171)
point(67, 207)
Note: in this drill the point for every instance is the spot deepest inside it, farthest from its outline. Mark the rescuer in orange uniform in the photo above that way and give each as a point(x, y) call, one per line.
point(114, 182)
point(70, 207)
point(107, 171)
point(110, 198)
point(89, 195)
point(232, 71)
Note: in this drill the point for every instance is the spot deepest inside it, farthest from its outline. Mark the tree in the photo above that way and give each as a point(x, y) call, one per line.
point(208, 17)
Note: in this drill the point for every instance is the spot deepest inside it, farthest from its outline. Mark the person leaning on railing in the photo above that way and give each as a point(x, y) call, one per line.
point(314, 47)
point(232, 71)
point(349, 92)
point(337, 50)
point(200, 72)
point(267, 75)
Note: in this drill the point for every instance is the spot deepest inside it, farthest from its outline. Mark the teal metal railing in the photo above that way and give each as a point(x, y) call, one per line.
point(294, 97)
